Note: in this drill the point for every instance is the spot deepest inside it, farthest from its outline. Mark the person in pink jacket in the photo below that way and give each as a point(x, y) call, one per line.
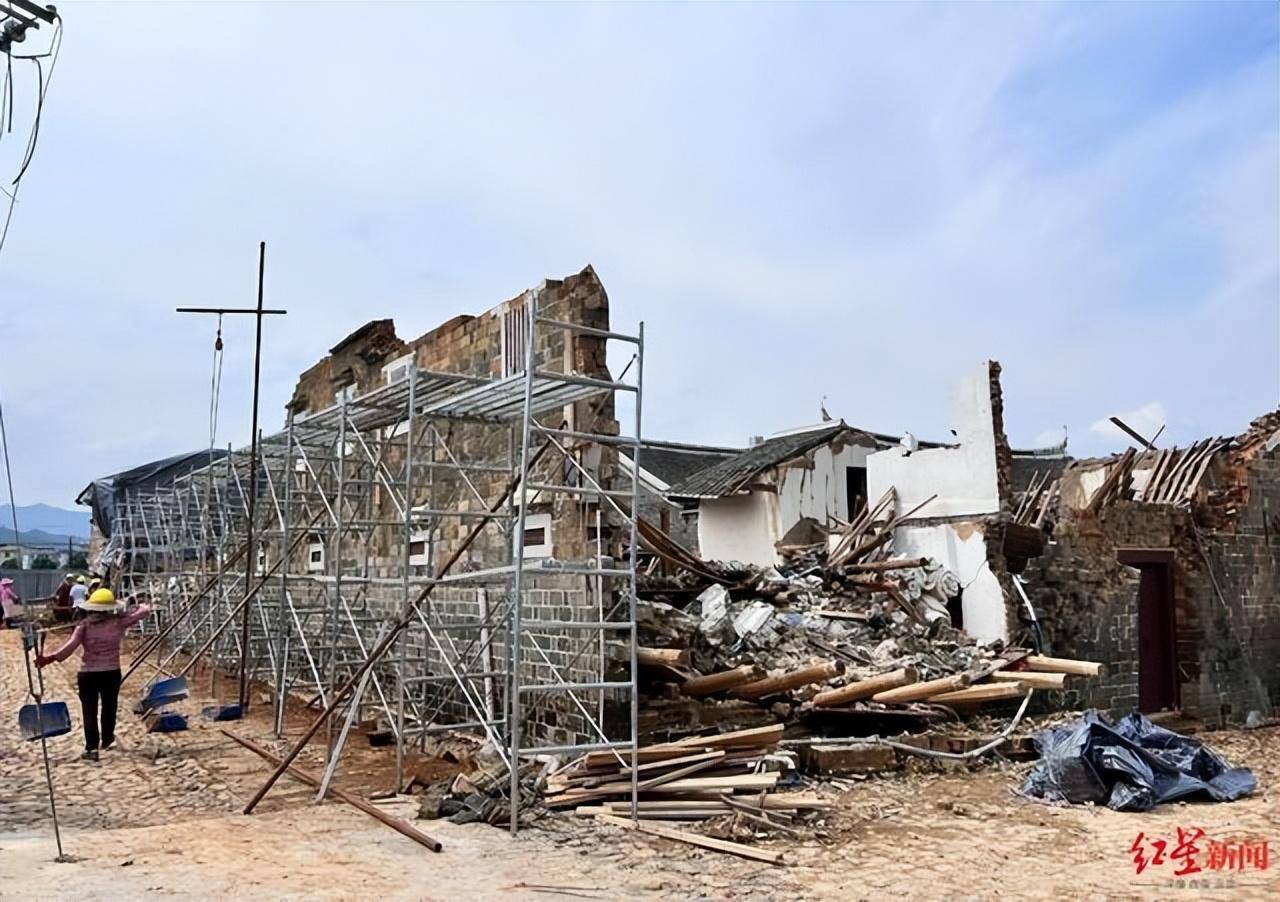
point(98, 636)
point(8, 603)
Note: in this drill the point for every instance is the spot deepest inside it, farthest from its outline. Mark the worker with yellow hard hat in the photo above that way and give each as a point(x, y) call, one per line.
point(98, 636)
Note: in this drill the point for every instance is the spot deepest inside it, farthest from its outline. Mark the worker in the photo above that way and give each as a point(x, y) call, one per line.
point(62, 605)
point(99, 636)
point(8, 603)
point(79, 593)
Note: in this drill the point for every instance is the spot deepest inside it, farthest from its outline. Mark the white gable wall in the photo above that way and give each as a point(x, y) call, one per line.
point(965, 480)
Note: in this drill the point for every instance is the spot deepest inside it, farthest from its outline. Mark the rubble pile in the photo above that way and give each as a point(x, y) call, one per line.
point(840, 626)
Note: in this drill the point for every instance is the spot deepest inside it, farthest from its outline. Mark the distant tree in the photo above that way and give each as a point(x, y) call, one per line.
point(44, 562)
point(11, 563)
point(78, 561)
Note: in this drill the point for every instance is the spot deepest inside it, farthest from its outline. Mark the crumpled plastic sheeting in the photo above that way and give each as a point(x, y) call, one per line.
point(1131, 766)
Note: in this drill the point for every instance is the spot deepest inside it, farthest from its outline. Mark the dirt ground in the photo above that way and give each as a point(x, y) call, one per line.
point(162, 816)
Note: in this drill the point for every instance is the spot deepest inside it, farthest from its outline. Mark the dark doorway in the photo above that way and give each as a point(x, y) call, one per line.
point(855, 489)
point(1157, 642)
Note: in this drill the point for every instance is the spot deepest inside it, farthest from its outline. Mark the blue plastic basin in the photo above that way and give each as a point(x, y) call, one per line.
point(47, 720)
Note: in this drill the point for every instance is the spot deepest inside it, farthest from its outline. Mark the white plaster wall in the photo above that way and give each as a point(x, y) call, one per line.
point(818, 492)
point(962, 549)
point(739, 528)
point(963, 478)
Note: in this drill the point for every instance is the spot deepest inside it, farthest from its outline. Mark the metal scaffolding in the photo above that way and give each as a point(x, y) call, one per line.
point(358, 502)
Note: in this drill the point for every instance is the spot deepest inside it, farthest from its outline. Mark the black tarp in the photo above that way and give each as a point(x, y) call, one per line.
point(1132, 765)
point(101, 494)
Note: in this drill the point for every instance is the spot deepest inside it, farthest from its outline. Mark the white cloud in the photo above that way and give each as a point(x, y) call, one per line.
point(864, 226)
point(1146, 420)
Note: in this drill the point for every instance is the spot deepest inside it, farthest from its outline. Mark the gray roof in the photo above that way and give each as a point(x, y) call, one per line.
point(733, 475)
point(674, 462)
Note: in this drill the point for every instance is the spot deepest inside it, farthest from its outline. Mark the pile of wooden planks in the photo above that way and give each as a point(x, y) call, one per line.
point(690, 780)
point(868, 532)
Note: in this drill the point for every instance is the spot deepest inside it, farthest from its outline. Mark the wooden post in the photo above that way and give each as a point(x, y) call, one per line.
point(866, 688)
point(815, 673)
point(918, 691)
point(1062, 665)
point(719, 682)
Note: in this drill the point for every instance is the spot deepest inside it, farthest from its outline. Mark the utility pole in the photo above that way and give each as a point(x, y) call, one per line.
point(251, 558)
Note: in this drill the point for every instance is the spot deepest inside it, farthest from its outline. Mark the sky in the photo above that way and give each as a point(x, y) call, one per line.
point(839, 205)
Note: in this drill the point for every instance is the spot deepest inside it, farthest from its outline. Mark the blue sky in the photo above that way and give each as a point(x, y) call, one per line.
point(802, 200)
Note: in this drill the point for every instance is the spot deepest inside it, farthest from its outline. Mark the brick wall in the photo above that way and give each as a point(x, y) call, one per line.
point(1227, 614)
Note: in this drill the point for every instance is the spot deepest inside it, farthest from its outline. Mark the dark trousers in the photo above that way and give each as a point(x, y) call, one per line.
point(104, 684)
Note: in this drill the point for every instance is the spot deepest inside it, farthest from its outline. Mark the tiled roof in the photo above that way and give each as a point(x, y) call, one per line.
point(732, 475)
point(673, 463)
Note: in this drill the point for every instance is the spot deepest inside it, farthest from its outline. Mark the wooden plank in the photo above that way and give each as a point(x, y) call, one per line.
point(678, 787)
point(1062, 665)
point(597, 760)
point(917, 691)
point(842, 615)
point(866, 688)
point(750, 737)
point(694, 839)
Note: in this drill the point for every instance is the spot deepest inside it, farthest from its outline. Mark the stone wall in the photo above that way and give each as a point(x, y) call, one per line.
point(488, 345)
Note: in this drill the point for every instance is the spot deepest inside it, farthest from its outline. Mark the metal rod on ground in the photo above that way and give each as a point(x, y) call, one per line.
point(376, 654)
point(398, 824)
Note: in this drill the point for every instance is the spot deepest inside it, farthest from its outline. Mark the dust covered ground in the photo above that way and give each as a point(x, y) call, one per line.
point(162, 817)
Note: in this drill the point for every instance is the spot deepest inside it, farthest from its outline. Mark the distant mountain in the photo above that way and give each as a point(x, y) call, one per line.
point(38, 537)
point(55, 521)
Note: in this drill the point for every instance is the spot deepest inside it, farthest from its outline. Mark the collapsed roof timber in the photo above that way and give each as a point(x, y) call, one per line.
point(391, 482)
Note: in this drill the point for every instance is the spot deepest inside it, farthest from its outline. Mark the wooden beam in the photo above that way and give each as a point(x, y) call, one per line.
point(1030, 678)
point(722, 681)
point(866, 688)
point(814, 673)
point(988, 692)
point(917, 691)
point(1062, 665)
point(663, 657)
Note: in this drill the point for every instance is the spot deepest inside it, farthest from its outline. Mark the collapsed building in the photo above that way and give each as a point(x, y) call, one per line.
point(474, 481)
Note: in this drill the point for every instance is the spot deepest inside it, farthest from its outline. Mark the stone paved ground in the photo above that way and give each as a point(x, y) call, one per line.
point(139, 824)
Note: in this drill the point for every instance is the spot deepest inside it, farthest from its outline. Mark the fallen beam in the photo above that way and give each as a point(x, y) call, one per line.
point(987, 692)
point(1062, 665)
point(918, 691)
point(815, 673)
point(398, 824)
point(866, 688)
point(1030, 678)
point(663, 657)
point(722, 681)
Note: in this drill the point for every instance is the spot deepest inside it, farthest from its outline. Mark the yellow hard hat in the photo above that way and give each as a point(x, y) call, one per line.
point(80, 579)
point(101, 600)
